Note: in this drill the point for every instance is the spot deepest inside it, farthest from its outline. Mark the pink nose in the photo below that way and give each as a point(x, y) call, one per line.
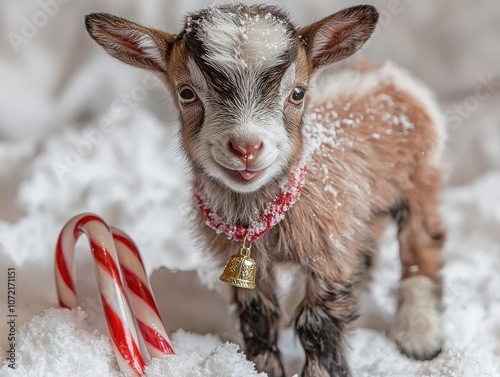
point(246, 151)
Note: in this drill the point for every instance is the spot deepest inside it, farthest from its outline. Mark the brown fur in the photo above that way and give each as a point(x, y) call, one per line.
point(357, 20)
point(373, 167)
point(371, 176)
point(331, 237)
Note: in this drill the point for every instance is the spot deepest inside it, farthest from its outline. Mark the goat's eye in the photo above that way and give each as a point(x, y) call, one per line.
point(297, 96)
point(186, 94)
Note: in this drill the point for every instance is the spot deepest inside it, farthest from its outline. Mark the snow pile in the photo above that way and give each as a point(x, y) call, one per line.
point(60, 342)
point(202, 356)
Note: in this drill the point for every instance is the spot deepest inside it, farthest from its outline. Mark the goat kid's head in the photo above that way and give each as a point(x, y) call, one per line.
point(239, 75)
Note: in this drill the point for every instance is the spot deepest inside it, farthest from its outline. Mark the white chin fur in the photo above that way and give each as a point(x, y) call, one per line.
point(417, 327)
point(253, 185)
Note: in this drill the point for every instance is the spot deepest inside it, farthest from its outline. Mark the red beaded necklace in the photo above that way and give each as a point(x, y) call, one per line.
point(273, 213)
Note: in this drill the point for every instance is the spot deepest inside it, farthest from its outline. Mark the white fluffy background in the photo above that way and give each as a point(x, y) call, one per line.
point(60, 86)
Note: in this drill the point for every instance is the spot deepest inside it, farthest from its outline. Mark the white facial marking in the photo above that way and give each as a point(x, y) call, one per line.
point(197, 78)
point(216, 155)
point(249, 122)
point(254, 40)
point(243, 48)
point(288, 82)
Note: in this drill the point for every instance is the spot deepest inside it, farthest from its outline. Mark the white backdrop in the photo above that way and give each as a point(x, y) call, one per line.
point(58, 88)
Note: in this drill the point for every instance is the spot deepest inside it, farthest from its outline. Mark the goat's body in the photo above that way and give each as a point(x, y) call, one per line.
point(374, 149)
point(374, 138)
point(371, 136)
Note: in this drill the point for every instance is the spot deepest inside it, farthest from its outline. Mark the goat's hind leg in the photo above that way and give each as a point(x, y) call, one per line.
point(417, 327)
point(259, 314)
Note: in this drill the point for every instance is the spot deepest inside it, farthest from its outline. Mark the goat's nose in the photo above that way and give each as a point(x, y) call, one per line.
point(247, 150)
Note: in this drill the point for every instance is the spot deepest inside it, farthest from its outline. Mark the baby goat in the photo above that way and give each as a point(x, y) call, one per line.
point(252, 122)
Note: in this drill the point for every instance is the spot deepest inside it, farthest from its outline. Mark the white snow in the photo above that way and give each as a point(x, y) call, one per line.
point(59, 342)
point(60, 88)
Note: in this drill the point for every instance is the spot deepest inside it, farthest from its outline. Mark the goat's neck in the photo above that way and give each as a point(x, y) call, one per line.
point(234, 207)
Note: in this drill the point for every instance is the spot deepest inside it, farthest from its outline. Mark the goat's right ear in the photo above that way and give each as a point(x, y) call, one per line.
point(130, 42)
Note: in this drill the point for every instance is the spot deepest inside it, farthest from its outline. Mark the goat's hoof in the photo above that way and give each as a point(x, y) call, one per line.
point(417, 326)
point(314, 368)
point(270, 363)
point(420, 356)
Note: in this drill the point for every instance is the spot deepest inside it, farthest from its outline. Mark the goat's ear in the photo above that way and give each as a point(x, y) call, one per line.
point(340, 35)
point(130, 42)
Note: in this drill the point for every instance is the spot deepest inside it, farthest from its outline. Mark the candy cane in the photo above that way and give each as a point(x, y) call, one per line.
point(143, 303)
point(111, 286)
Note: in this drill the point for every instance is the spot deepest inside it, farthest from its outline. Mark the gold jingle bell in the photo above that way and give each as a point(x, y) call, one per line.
point(240, 269)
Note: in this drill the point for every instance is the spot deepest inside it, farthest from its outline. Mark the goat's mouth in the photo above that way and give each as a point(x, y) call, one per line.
point(244, 176)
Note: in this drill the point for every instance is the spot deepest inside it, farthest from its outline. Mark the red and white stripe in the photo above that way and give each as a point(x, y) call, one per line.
point(274, 212)
point(143, 303)
point(110, 270)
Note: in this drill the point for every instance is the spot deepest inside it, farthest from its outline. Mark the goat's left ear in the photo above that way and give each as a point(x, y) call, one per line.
point(129, 42)
point(340, 35)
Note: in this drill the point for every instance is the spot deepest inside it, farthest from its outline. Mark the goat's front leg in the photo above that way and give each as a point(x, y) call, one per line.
point(259, 314)
point(320, 323)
